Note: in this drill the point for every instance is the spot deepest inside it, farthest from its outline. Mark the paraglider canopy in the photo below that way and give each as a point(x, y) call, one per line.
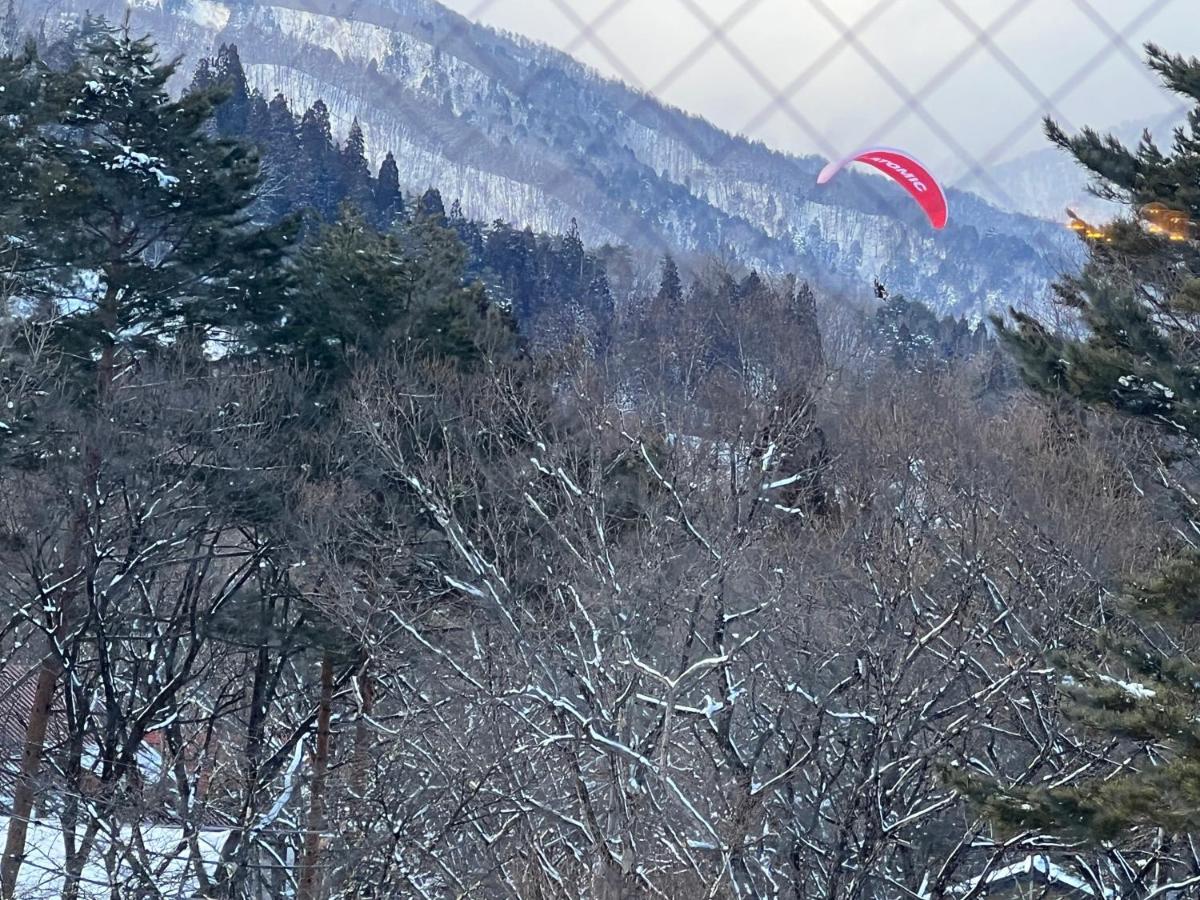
point(906, 171)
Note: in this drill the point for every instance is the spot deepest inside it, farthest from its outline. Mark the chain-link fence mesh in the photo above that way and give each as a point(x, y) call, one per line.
point(1086, 47)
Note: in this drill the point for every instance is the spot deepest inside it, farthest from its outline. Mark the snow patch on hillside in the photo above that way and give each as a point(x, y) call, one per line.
point(348, 38)
point(208, 14)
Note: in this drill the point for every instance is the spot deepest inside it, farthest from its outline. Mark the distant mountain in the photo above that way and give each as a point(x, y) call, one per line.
point(521, 132)
point(1046, 182)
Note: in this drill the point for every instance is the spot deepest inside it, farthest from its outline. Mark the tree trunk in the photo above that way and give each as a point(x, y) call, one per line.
point(311, 860)
point(49, 673)
point(51, 667)
point(31, 757)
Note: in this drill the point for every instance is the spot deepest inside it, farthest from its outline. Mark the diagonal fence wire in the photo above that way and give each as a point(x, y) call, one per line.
point(984, 27)
point(984, 39)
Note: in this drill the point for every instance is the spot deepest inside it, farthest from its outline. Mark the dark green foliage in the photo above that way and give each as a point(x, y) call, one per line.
point(514, 263)
point(389, 205)
point(358, 291)
point(356, 176)
point(1138, 357)
point(306, 171)
point(670, 288)
point(348, 294)
point(430, 206)
point(916, 338)
point(1129, 362)
point(280, 138)
point(1131, 692)
point(320, 159)
point(133, 223)
point(449, 316)
point(233, 113)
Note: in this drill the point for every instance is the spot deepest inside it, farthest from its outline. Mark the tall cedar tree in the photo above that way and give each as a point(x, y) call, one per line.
point(389, 206)
point(670, 287)
point(1140, 299)
point(319, 155)
point(356, 174)
point(134, 221)
point(449, 315)
point(284, 180)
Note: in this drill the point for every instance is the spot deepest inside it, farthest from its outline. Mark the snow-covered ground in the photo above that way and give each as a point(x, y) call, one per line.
point(158, 849)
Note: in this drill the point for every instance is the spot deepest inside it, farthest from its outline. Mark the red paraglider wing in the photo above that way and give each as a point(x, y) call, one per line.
point(906, 171)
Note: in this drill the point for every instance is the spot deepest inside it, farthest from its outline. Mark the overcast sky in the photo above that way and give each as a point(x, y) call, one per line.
point(1058, 59)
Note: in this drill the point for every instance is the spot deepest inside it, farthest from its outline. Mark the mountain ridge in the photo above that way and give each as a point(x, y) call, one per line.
point(1045, 182)
point(523, 132)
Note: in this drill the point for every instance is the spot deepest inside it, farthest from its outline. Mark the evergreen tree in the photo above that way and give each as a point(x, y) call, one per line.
point(1139, 297)
point(286, 182)
point(510, 259)
point(356, 174)
point(569, 268)
point(233, 112)
point(29, 103)
point(600, 302)
point(531, 274)
point(351, 284)
point(450, 316)
point(431, 206)
point(128, 185)
point(320, 158)
point(470, 234)
point(751, 289)
point(916, 338)
point(359, 291)
point(258, 120)
point(133, 227)
point(670, 287)
point(389, 205)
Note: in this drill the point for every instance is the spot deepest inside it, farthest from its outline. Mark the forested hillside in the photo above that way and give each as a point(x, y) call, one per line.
point(351, 548)
point(524, 134)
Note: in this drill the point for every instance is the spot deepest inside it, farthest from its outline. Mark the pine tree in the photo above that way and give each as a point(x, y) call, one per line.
point(320, 157)
point(258, 120)
point(351, 288)
point(670, 287)
point(286, 183)
point(389, 205)
point(1139, 297)
point(134, 231)
point(569, 271)
point(359, 291)
point(233, 112)
point(356, 174)
point(510, 259)
point(751, 289)
point(449, 315)
point(129, 185)
point(431, 207)
point(470, 234)
point(600, 302)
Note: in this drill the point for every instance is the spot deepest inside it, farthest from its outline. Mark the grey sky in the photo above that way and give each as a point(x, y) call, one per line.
point(1060, 61)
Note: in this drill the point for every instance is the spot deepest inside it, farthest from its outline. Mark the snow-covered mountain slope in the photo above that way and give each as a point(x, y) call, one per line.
point(1046, 182)
point(524, 133)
